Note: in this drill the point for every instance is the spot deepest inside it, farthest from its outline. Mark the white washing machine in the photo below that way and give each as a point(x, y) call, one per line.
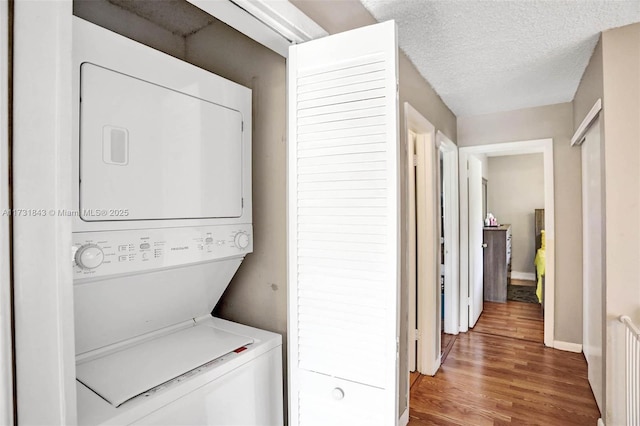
point(163, 172)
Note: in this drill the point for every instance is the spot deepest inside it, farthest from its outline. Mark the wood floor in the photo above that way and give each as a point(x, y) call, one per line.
point(513, 319)
point(500, 373)
point(527, 283)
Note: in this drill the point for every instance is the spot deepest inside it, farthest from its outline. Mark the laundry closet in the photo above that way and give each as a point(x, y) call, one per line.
point(162, 167)
point(167, 226)
point(160, 218)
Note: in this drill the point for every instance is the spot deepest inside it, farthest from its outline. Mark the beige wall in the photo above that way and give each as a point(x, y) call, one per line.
point(551, 121)
point(342, 15)
point(515, 190)
point(130, 25)
point(590, 88)
point(621, 84)
point(613, 74)
point(257, 294)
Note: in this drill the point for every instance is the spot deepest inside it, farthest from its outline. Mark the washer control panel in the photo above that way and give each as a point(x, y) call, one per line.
point(98, 254)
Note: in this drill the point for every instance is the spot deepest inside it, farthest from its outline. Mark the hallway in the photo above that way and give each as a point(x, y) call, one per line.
point(500, 373)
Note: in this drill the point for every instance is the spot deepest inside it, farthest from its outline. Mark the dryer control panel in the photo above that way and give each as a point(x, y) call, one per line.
point(99, 254)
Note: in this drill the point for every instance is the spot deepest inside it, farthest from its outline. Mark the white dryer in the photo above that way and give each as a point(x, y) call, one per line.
point(163, 172)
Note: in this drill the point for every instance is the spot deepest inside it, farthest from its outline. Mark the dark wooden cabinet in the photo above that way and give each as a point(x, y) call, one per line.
point(497, 262)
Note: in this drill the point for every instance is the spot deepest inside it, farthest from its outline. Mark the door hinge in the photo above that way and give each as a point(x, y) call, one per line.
point(242, 202)
point(418, 337)
point(415, 160)
point(242, 126)
point(469, 301)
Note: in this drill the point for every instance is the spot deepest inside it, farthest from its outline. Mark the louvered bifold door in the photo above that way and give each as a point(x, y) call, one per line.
point(343, 224)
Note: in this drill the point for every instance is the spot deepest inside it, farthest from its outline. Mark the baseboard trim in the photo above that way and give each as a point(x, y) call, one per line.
point(567, 346)
point(404, 418)
point(529, 276)
point(600, 422)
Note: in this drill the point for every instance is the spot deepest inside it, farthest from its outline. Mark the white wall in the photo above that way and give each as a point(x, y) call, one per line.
point(515, 190)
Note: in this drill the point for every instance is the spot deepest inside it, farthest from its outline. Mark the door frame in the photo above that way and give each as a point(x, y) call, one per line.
point(427, 246)
point(451, 232)
point(41, 160)
point(274, 24)
point(544, 146)
point(475, 299)
point(6, 302)
point(412, 273)
point(591, 349)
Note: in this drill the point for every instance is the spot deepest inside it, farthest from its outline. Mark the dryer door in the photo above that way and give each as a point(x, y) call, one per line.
point(152, 152)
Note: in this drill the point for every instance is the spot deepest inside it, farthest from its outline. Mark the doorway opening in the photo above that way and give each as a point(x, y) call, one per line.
point(449, 237)
point(472, 228)
point(432, 236)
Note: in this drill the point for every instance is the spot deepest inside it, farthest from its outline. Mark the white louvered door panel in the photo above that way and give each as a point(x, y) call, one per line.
point(344, 225)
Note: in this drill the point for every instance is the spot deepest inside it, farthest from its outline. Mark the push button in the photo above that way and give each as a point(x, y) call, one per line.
point(145, 246)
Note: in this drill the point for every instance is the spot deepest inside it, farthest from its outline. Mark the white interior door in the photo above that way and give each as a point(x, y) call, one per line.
point(451, 233)
point(343, 222)
point(593, 257)
point(476, 286)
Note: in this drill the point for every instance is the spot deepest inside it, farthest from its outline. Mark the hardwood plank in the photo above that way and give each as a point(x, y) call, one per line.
point(446, 343)
point(493, 377)
point(526, 283)
point(513, 319)
point(413, 377)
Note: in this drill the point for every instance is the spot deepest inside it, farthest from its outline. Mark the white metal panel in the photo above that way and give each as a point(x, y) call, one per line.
point(248, 395)
point(126, 373)
point(116, 309)
point(98, 46)
point(343, 215)
point(476, 284)
point(593, 258)
point(176, 157)
point(236, 389)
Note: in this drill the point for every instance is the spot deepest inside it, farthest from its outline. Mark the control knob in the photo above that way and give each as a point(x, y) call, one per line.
point(241, 240)
point(89, 256)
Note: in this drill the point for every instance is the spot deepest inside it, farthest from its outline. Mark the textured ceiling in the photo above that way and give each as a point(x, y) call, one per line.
point(178, 16)
point(489, 56)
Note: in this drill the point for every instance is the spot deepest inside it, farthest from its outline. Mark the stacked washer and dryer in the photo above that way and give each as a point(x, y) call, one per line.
point(163, 173)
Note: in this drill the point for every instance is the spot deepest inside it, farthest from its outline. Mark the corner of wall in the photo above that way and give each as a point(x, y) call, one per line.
point(590, 88)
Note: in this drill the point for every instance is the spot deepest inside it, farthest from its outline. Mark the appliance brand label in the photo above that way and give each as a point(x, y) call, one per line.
point(180, 248)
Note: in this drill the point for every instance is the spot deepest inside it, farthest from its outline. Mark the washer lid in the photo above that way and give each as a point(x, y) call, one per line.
point(122, 375)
